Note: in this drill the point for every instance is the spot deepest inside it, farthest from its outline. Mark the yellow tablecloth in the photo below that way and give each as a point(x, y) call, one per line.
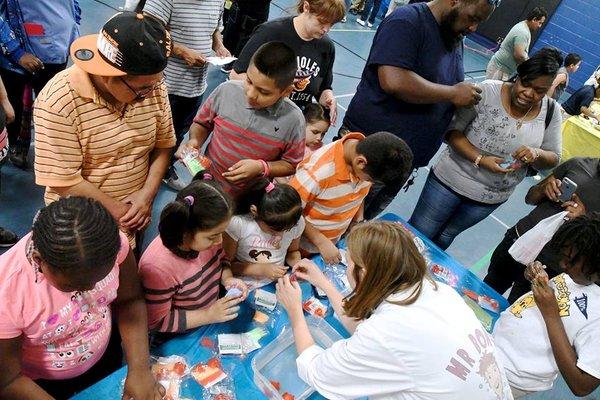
point(579, 139)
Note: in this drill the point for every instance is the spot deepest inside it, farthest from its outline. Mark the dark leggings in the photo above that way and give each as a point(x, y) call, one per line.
point(110, 361)
point(15, 88)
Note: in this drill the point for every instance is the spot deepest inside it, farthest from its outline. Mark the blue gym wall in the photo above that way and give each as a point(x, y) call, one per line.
point(575, 28)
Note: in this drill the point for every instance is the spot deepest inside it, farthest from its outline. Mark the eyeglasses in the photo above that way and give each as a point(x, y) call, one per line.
point(143, 93)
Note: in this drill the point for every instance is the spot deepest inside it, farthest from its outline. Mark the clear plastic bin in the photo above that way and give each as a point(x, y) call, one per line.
point(277, 361)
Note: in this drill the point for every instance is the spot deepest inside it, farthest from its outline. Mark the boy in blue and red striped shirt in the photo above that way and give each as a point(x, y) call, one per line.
point(257, 130)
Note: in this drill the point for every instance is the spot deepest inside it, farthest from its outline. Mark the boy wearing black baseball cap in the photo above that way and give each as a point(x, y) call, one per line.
point(103, 130)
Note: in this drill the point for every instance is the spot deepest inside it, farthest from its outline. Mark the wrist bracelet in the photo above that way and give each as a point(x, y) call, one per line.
point(265, 165)
point(477, 161)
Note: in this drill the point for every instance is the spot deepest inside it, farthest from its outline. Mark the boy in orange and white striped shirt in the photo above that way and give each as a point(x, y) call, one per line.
point(334, 180)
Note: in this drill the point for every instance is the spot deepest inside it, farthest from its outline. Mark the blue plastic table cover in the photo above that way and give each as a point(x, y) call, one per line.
point(240, 368)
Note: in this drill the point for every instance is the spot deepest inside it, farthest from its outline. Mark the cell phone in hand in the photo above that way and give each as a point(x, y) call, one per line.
point(567, 188)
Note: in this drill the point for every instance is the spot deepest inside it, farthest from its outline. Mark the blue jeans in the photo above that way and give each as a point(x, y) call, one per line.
point(374, 11)
point(441, 214)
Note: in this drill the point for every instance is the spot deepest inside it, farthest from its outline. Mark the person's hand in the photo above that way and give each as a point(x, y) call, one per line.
point(273, 271)
point(31, 63)
point(243, 170)
point(526, 154)
point(8, 110)
point(230, 283)
point(575, 207)
point(329, 101)
point(138, 215)
point(191, 144)
point(310, 272)
point(544, 298)
point(492, 164)
point(330, 253)
point(223, 310)
point(192, 58)
point(221, 51)
point(466, 94)
point(141, 385)
point(552, 189)
point(535, 270)
point(289, 295)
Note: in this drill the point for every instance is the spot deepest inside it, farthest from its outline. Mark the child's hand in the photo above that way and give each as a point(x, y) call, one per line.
point(243, 170)
point(237, 283)
point(223, 310)
point(191, 144)
point(273, 271)
point(310, 272)
point(535, 270)
point(330, 253)
point(544, 298)
point(289, 295)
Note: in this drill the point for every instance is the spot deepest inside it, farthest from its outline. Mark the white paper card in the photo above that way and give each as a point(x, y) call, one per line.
point(230, 343)
point(265, 299)
point(220, 60)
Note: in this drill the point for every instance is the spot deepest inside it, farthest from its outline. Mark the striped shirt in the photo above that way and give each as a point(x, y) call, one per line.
point(174, 285)
point(331, 193)
point(80, 136)
point(242, 132)
point(192, 24)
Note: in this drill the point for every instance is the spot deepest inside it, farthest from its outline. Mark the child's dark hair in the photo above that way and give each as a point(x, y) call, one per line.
point(545, 62)
point(389, 159)
point(537, 13)
point(572, 59)
point(581, 237)
point(201, 205)
point(278, 205)
point(314, 112)
point(277, 61)
point(76, 236)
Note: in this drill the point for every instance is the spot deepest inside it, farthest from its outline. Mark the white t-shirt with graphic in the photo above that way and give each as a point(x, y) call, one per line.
point(433, 349)
point(523, 342)
point(258, 246)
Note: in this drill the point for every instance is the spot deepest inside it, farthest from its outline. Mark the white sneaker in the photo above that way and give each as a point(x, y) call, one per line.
point(360, 21)
point(370, 25)
point(344, 19)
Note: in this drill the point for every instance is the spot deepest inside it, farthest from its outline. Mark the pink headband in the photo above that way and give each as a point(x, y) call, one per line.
point(207, 177)
point(189, 200)
point(270, 187)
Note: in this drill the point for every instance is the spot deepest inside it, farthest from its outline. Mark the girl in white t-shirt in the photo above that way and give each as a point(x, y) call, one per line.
point(412, 338)
point(265, 233)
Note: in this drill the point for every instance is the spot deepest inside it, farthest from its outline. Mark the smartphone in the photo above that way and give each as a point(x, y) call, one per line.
point(567, 188)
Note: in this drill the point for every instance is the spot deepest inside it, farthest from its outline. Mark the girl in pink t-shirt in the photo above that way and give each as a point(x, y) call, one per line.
point(59, 286)
point(183, 267)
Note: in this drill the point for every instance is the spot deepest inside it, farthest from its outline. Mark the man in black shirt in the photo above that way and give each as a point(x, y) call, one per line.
point(504, 271)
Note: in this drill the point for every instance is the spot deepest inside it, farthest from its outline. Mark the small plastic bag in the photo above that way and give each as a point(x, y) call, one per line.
point(195, 162)
point(529, 245)
point(169, 372)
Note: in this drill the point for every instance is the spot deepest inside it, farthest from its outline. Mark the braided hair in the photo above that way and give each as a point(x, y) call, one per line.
point(200, 206)
point(76, 236)
point(581, 238)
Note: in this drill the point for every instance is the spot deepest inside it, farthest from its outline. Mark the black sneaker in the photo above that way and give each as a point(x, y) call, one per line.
point(7, 238)
point(227, 67)
point(18, 156)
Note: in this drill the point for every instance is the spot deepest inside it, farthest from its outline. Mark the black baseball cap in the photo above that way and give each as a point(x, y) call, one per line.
point(128, 44)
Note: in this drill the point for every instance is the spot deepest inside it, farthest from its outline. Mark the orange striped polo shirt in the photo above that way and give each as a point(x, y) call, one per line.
point(80, 136)
point(331, 193)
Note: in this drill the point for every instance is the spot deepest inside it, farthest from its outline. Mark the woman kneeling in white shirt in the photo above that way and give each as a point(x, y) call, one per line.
point(411, 338)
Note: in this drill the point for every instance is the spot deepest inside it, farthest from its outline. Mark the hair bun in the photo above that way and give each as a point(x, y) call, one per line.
point(550, 53)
